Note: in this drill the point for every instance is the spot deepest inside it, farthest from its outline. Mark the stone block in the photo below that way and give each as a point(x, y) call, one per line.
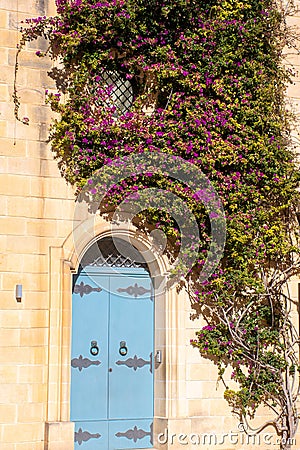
point(37, 300)
point(56, 209)
point(22, 432)
point(4, 93)
point(198, 407)
point(59, 435)
point(12, 263)
point(40, 78)
point(38, 445)
point(56, 188)
point(24, 207)
point(219, 407)
point(9, 38)
point(3, 127)
point(39, 44)
point(28, 58)
point(13, 184)
point(8, 374)
point(57, 431)
point(16, 19)
point(24, 244)
point(21, 166)
point(19, 131)
point(4, 19)
point(34, 374)
point(39, 113)
point(8, 413)
point(51, 7)
point(9, 446)
point(31, 412)
point(14, 393)
point(39, 150)
point(41, 227)
point(9, 337)
point(12, 226)
point(12, 149)
point(49, 168)
point(31, 96)
point(30, 7)
point(7, 110)
point(3, 164)
point(7, 75)
point(23, 355)
point(293, 90)
point(23, 319)
point(32, 337)
point(34, 263)
point(195, 389)
point(4, 61)
point(39, 393)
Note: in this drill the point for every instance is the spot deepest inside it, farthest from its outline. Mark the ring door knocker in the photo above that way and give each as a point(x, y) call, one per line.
point(94, 350)
point(123, 349)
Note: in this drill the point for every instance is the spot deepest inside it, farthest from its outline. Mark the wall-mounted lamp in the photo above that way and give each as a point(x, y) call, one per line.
point(19, 292)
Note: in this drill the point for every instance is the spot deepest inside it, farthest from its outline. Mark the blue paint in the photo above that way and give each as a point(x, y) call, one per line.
point(113, 399)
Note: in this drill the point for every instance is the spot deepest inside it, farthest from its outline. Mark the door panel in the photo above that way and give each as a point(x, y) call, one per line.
point(89, 383)
point(131, 379)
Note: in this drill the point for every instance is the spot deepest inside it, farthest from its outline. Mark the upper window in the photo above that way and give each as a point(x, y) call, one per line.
point(120, 92)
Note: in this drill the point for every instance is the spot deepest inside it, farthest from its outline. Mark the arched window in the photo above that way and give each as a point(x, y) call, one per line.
point(113, 252)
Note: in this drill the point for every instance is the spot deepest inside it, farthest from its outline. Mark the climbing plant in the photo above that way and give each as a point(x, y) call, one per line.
point(204, 81)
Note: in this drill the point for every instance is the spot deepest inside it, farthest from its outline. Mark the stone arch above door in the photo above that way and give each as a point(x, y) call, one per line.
point(64, 262)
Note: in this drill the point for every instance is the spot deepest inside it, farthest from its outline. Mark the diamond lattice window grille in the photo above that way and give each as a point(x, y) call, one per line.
point(119, 90)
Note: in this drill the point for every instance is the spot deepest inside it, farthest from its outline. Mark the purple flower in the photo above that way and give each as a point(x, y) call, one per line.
point(208, 327)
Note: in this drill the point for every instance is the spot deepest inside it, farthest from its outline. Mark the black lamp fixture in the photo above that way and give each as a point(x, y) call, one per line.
point(19, 292)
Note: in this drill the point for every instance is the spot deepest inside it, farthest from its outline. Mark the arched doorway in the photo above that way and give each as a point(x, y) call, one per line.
point(112, 349)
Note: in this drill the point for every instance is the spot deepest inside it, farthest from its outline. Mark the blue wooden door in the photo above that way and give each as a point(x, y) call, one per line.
point(112, 359)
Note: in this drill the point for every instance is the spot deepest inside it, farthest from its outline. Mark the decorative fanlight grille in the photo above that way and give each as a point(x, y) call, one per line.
point(104, 253)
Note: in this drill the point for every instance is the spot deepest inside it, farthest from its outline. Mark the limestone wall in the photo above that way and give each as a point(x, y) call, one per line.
point(36, 209)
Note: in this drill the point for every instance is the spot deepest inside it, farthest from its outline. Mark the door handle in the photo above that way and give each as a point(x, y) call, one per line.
point(94, 350)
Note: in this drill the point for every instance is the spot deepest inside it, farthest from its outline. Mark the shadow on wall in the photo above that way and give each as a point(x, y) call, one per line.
point(41, 7)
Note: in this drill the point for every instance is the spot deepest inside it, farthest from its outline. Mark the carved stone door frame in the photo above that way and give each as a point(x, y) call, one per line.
point(169, 333)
